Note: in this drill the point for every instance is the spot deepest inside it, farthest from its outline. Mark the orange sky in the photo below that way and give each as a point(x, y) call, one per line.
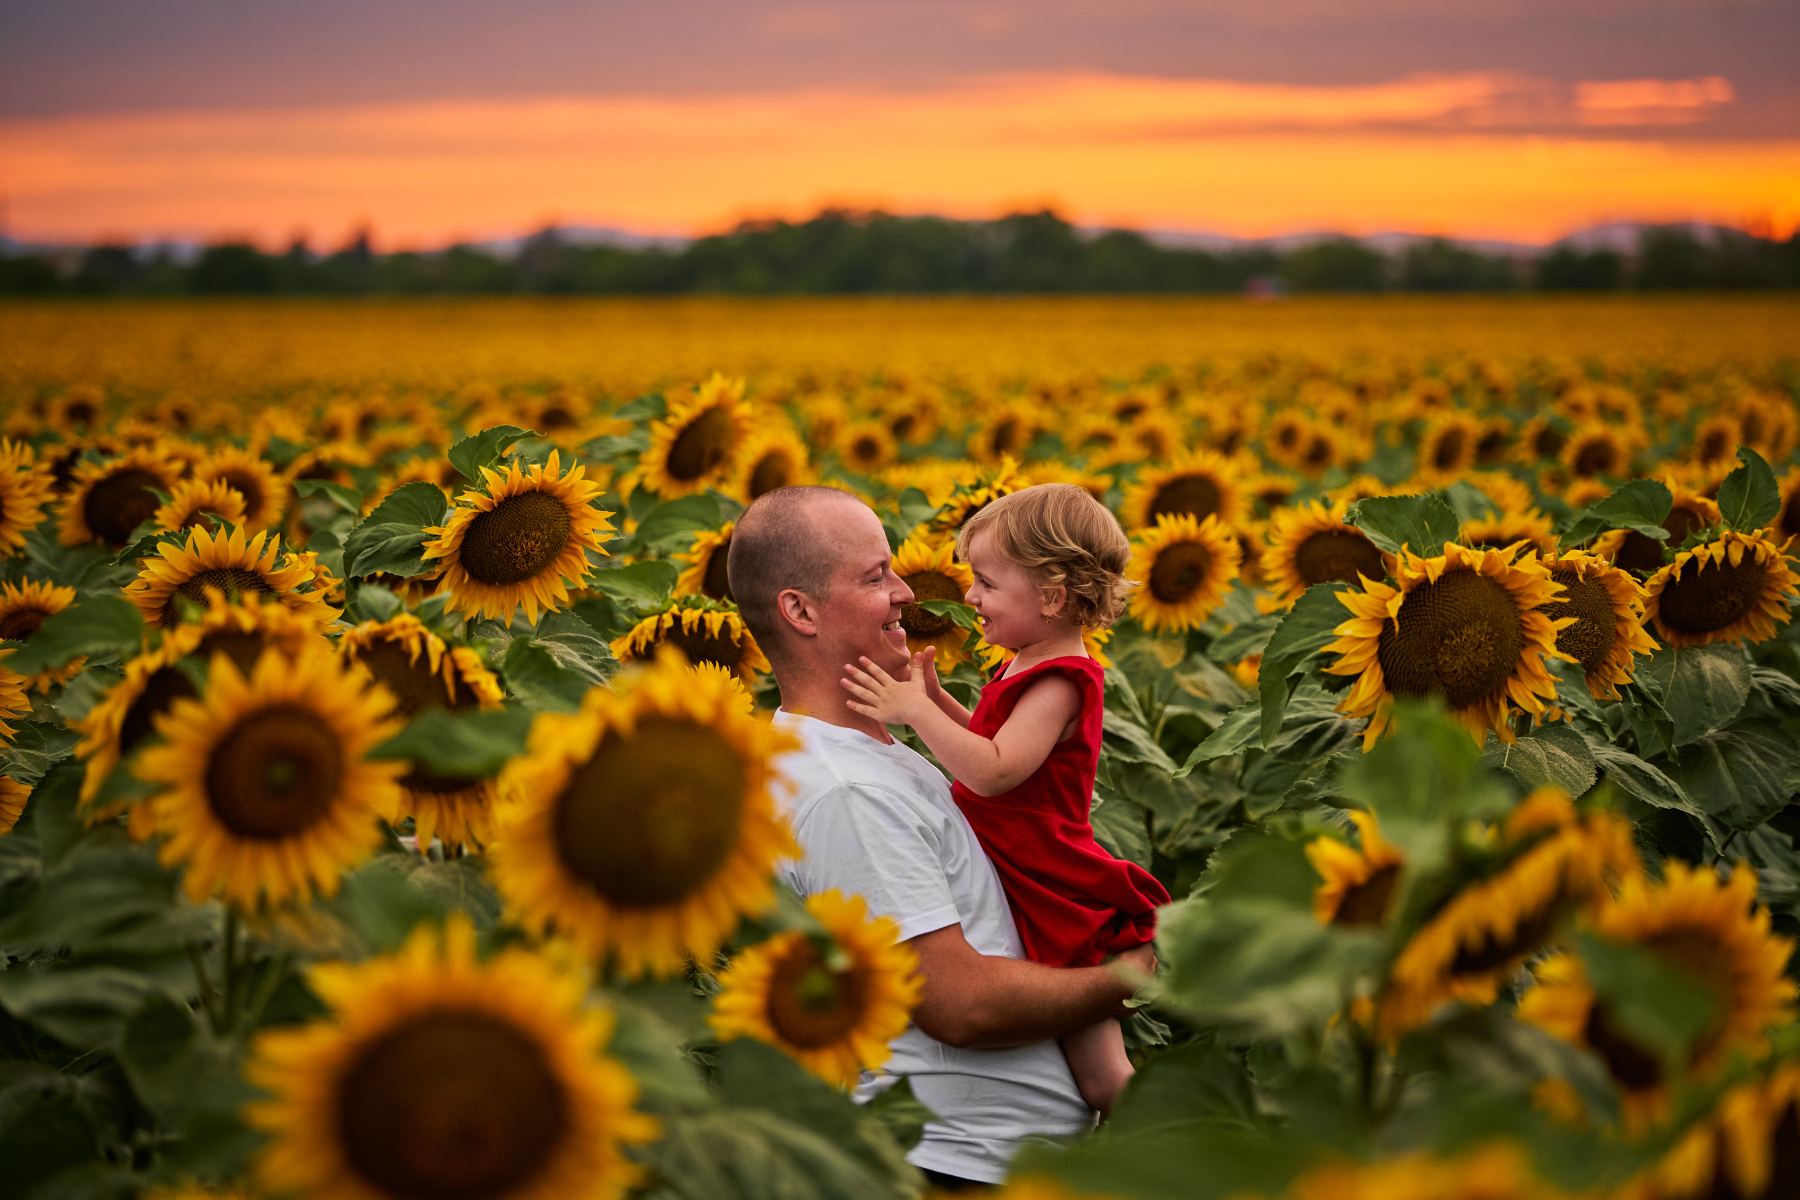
point(1476, 154)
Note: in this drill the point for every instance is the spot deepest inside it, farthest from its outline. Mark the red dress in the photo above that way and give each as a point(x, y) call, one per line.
point(1074, 903)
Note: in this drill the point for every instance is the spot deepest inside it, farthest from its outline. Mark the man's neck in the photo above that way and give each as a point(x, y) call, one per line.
point(824, 700)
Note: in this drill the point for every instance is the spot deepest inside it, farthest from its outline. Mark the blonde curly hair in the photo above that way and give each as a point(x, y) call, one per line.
point(1065, 539)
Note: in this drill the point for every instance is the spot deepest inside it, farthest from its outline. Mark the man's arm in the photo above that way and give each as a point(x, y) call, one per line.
point(974, 1000)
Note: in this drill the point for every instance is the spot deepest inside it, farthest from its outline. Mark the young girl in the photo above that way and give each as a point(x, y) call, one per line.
point(1048, 563)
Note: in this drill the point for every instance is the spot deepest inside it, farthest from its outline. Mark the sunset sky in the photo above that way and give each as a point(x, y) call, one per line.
point(437, 120)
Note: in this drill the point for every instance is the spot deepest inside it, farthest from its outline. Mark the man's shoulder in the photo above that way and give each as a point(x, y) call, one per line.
point(831, 761)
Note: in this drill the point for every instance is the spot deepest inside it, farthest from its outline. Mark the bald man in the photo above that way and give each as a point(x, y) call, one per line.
point(813, 578)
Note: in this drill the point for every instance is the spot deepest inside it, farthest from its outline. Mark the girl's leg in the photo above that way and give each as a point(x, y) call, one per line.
point(1097, 1059)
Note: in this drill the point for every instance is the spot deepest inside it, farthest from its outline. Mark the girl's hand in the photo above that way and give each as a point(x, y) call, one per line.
point(886, 699)
point(924, 664)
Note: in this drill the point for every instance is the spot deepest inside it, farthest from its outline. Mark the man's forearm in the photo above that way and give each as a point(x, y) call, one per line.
point(974, 999)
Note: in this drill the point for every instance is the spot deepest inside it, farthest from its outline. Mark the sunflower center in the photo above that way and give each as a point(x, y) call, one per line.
point(1460, 637)
point(416, 687)
point(702, 447)
point(246, 485)
point(275, 773)
point(234, 582)
point(452, 1105)
point(119, 503)
point(1006, 437)
point(1194, 494)
point(1491, 953)
point(1366, 903)
point(516, 539)
point(1699, 955)
point(865, 450)
point(556, 417)
point(1635, 1068)
point(1449, 450)
point(715, 584)
point(1703, 601)
point(772, 472)
point(1182, 568)
point(19, 624)
point(243, 649)
point(1680, 522)
point(1548, 443)
point(165, 686)
point(1598, 457)
point(811, 1006)
point(1714, 446)
point(1789, 519)
point(928, 585)
point(650, 818)
point(1639, 553)
point(1491, 448)
point(1339, 555)
point(1590, 639)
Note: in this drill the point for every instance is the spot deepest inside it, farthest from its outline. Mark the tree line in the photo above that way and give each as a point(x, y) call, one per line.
point(841, 251)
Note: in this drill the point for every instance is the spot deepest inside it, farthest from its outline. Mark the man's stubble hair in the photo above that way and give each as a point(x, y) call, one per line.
point(774, 547)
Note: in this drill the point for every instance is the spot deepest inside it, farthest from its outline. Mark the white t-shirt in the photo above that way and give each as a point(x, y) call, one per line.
point(877, 820)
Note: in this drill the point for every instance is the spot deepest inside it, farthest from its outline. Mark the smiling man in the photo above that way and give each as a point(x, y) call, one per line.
point(812, 574)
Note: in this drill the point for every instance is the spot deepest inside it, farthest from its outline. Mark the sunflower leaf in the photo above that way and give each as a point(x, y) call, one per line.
point(638, 585)
point(650, 407)
point(1739, 775)
point(1702, 688)
point(1641, 505)
point(1651, 1002)
point(95, 626)
point(485, 449)
point(1637, 778)
point(1469, 502)
point(461, 745)
point(962, 614)
point(1422, 524)
point(418, 504)
point(389, 548)
point(1549, 754)
point(1302, 633)
point(1749, 498)
point(346, 498)
point(672, 518)
point(1241, 728)
point(540, 681)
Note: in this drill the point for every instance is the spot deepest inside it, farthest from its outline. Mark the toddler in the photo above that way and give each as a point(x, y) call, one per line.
point(1049, 562)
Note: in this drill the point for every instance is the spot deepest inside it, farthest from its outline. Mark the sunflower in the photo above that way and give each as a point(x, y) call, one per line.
point(1053, 471)
point(697, 443)
point(437, 1074)
point(865, 447)
point(1312, 544)
point(1006, 432)
point(974, 492)
point(1201, 484)
point(270, 793)
point(1707, 930)
point(230, 564)
point(1285, 436)
point(1494, 444)
point(420, 673)
point(1747, 1146)
point(703, 630)
point(1358, 886)
point(1689, 512)
point(111, 499)
point(831, 1003)
point(1271, 491)
point(24, 607)
point(1744, 595)
point(1597, 451)
point(13, 797)
point(25, 486)
point(1787, 521)
point(1448, 445)
point(198, 502)
point(774, 457)
point(642, 827)
point(522, 543)
point(1092, 640)
point(933, 573)
point(1532, 527)
point(1184, 565)
point(1541, 438)
point(264, 491)
point(1608, 607)
point(707, 559)
point(1562, 861)
point(1715, 440)
point(13, 698)
point(1497, 1171)
point(1362, 487)
point(429, 468)
point(1464, 625)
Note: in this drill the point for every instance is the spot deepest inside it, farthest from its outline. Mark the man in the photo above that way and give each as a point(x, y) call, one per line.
point(812, 575)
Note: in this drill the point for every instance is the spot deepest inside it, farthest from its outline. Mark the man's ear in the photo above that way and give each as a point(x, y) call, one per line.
point(799, 611)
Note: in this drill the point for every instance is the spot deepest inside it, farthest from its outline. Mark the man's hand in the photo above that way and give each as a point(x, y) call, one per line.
point(889, 700)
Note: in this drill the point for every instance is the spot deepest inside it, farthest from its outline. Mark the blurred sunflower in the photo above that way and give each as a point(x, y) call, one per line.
point(421, 673)
point(270, 795)
point(831, 1003)
point(1497, 1171)
point(265, 493)
point(24, 607)
point(1201, 484)
point(1362, 487)
point(1561, 861)
point(1284, 437)
point(641, 828)
point(1608, 610)
point(1312, 544)
point(1184, 566)
point(774, 457)
point(78, 410)
point(1541, 439)
point(705, 574)
point(865, 447)
point(108, 500)
point(1357, 885)
point(1448, 445)
point(933, 573)
point(13, 698)
point(237, 567)
point(1787, 521)
point(976, 493)
point(197, 502)
point(1251, 538)
point(703, 630)
point(1734, 588)
point(429, 468)
point(1093, 641)
point(13, 797)
point(437, 1074)
point(1005, 432)
point(1711, 932)
point(1464, 625)
point(1494, 444)
point(523, 542)
point(1597, 451)
point(1270, 491)
point(1530, 526)
point(1689, 513)
point(1715, 440)
point(698, 442)
point(1155, 437)
point(25, 487)
point(1582, 492)
point(1746, 1148)
point(1053, 471)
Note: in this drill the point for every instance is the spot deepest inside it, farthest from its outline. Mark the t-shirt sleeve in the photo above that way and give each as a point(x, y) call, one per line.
point(867, 841)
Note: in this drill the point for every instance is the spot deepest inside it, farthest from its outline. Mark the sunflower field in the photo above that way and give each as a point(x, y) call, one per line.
point(389, 800)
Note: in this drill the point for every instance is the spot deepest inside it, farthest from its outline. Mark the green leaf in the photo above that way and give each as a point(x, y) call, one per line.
point(541, 682)
point(1242, 727)
point(1638, 778)
point(389, 548)
point(1659, 1007)
point(1119, 827)
point(1702, 688)
point(418, 505)
point(346, 498)
point(612, 447)
point(372, 602)
point(83, 1006)
point(641, 585)
point(1243, 639)
point(1125, 739)
point(380, 904)
point(964, 615)
point(1469, 502)
point(686, 514)
point(1749, 498)
point(1739, 775)
point(651, 407)
point(1553, 754)
point(175, 1067)
point(97, 625)
point(911, 509)
point(902, 1113)
point(1424, 783)
point(1302, 633)
point(1196, 1081)
point(1641, 505)
point(575, 646)
point(35, 748)
point(461, 745)
point(1422, 524)
point(485, 449)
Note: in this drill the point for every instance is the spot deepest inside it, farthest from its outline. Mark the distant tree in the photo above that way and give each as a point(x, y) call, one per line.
point(28, 275)
point(233, 268)
point(1442, 266)
point(1336, 265)
point(107, 270)
point(1568, 269)
point(1671, 257)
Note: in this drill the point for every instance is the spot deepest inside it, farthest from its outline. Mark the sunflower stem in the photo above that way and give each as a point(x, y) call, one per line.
point(265, 990)
point(229, 966)
point(198, 958)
